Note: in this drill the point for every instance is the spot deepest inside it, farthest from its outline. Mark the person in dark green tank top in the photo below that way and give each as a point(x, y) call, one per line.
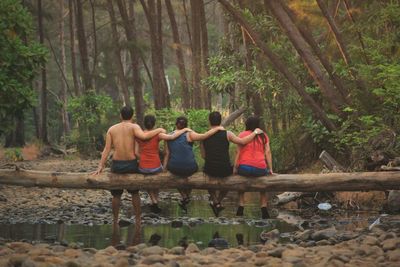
point(215, 151)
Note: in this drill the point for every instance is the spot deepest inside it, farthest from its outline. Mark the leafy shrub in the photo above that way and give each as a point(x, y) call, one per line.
point(89, 113)
point(13, 154)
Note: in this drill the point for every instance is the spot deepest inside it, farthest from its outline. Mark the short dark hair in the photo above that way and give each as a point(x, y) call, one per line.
point(181, 122)
point(215, 118)
point(149, 122)
point(126, 113)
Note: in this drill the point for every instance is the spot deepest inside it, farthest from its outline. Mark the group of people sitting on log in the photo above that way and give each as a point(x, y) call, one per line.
point(129, 141)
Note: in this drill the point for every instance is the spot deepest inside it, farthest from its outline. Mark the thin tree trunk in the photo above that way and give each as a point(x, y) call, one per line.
point(80, 26)
point(117, 54)
point(185, 12)
point(204, 54)
point(280, 66)
point(348, 10)
point(95, 52)
point(137, 81)
point(306, 33)
point(130, 32)
point(179, 56)
point(335, 100)
point(63, 61)
point(73, 47)
point(196, 53)
point(160, 56)
point(43, 126)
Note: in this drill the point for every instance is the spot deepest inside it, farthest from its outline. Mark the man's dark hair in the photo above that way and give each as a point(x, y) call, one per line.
point(126, 113)
point(215, 118)
point(181, 122)
point(149, 122)
point(252, 123)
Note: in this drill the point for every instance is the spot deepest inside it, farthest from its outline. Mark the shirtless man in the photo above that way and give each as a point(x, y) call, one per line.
point(121, 137)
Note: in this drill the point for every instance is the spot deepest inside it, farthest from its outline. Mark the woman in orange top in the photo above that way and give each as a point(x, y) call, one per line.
point(253, 160)
point(148, 151)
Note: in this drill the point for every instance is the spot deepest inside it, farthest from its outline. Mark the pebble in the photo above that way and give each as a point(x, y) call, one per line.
point(152, 259)
point(324, 234)
point(154, 250)
point(192, 248)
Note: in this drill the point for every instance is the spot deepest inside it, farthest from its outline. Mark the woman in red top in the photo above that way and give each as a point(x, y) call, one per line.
point(253, 160)
point(148, 151)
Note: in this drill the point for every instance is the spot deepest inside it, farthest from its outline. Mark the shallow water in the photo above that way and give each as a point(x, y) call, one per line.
point(199, 226)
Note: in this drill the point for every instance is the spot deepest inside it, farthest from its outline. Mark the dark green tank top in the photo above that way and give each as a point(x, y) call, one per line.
point(217, 160)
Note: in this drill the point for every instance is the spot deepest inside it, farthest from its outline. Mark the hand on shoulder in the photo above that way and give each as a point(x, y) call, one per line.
point(258, 131)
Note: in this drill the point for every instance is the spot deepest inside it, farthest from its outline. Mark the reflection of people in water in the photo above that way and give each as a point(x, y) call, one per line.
point(133, 238)
point(154, 239)
point(239, 239)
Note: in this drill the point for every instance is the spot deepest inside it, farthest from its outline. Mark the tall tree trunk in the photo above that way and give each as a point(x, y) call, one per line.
point(280, 66)
point(204, 54)
point(117, 54)
point(159, 83)
point(306, 33)
point(95, 50)
point(196, 53)
point(63, 63)
point(160, 56)
point(335, 100)
point(137, 82)
point(43, 126)
point(80, 27)
point(179, 56)
point(130, 32)
point(73, 47)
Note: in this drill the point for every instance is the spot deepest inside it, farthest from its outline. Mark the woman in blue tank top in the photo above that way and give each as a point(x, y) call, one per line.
point(179, 158)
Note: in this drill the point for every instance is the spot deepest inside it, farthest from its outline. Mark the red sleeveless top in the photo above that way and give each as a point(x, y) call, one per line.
point(253, 154)
point(149, 156)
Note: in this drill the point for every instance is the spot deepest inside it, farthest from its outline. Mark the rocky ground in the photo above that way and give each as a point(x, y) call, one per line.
point(379, 246)
point(319, 241)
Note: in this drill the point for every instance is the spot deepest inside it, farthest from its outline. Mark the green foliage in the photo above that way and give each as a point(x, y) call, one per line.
point(13, 154)
point(90, 113)
point(198, 120)
point(19, 60)
point(166, 118)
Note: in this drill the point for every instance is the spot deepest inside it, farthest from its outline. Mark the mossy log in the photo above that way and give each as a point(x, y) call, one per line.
point(357, 181)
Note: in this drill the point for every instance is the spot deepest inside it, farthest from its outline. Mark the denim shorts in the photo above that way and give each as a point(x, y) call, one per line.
point(247, 170)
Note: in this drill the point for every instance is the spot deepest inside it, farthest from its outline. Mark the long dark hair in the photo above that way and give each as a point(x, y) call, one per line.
point(149, 122)
point(252, 123)
point(181, 122)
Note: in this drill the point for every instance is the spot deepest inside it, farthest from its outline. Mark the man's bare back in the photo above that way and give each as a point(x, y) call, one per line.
point(122, 137)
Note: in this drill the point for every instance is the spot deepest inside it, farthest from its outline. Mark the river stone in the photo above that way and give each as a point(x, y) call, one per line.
point(192, 248)
point(58, 248)
point(154, 250)
point(28, 263)
point(136, 249)
point(276, 252)
point(218, 243)
point(370, 240)
point(293, 255)
point(390, 244)
point(305, 235)
point(393, 201)
point(271, 235)
point(209, 251)
point(17, 260)
point(176, 224)
point(177, 251)
point(152, 259)
point(394, 255)
point(20, 247)
point(324, 234)
point(71, 264)
point(122, 263)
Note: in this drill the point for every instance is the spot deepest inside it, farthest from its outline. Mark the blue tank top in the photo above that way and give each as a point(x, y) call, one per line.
point(181, 157)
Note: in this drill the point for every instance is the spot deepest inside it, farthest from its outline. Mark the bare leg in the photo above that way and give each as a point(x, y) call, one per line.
point(241, 198)
point(213, 195)
point(153, 196)
point(222, 195)
point(263, 199)
point(116, 204)
point(116, 238)
point(137, 208)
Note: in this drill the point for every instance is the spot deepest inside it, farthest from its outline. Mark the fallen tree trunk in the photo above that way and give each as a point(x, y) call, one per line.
point(277, 183)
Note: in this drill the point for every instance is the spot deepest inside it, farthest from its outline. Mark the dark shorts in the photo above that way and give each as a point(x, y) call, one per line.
point(247, 170)
point(219, 173)
point(124, 166)
point(184, 172)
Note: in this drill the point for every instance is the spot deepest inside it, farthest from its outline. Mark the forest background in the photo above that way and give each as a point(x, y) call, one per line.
point(321, 74)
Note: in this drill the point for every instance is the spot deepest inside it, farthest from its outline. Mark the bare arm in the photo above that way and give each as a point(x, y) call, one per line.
point(238, 148)
point(166, 155)
point(202, 150)
point(200, 137)
point(104, 154)
point(268, 156)
point(146, 135)
point(241, 141)
point(137, 149)
point(173, 136)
